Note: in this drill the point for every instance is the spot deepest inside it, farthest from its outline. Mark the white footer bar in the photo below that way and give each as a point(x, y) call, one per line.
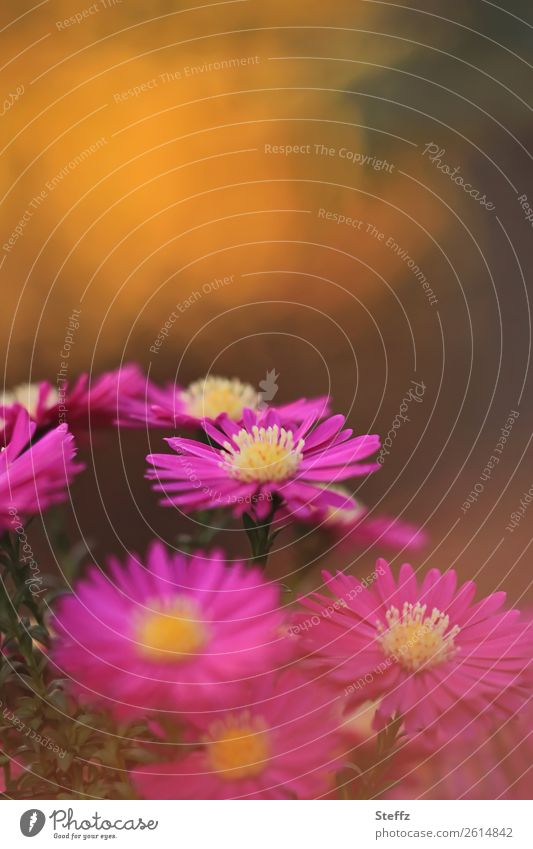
point(267, 825)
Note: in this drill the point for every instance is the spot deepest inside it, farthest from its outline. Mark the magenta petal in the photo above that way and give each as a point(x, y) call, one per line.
point(324, 432)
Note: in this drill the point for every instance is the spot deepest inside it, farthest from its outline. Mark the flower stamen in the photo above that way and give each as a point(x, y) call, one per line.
point(172, 633)
point(415, 640)
point(264, 454)
point(211, 396)
point(238, 747)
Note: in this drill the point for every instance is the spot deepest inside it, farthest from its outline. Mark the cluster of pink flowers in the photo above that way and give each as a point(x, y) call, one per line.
point(205, 641)
point(38, 426)
point(263, 690)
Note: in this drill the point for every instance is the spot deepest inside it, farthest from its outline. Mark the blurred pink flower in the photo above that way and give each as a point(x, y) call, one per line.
point(285, 744)
point(174, 633)
point(259, 460)
point(352, 526)
point(174, 406)
point(476, 764)
point(426, 652)
point(33, 474)
point(89, 403)
point(38, 399)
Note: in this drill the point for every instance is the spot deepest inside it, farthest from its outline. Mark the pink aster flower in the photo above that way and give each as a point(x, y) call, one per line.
point(285, 745)
point(424, 651)
point(173, 406)
point(90, 402)
point(259, 460)
point(33, 475)
point(353, 526)
point(168, 635)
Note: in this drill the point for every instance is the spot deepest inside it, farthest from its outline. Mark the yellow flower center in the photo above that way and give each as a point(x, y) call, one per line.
point(238, 747)
point(172, 633)
point(265, 454)
point(27, 395)
point(211, 396)
point(416, 640)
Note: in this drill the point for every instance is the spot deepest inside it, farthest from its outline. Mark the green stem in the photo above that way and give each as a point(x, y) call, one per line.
point(261, 557)
point(260, 534)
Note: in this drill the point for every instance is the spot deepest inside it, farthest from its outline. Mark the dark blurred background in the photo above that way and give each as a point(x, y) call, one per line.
point(139, 164)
